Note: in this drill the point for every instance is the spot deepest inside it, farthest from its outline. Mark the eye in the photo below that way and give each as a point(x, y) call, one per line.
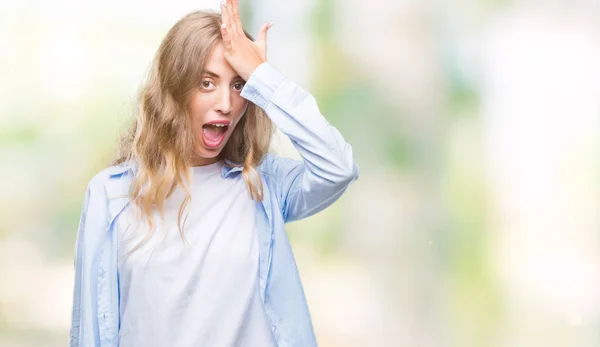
point(238, 86)
point(206, 84)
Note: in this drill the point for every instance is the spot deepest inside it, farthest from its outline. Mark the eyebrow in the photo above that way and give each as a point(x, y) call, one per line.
point(215, 75)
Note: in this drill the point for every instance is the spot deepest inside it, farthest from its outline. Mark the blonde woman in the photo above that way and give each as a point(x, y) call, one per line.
point(182, 241)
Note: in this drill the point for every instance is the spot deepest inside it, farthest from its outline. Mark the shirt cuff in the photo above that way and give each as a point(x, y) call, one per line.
point(262, 84)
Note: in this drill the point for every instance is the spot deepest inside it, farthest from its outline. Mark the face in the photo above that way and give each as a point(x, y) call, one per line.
point(216, 108)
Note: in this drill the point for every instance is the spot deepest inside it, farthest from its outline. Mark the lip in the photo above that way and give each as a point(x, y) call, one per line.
point(213, 122)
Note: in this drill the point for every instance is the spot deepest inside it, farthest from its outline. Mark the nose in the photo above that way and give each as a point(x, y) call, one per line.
point(223, 104)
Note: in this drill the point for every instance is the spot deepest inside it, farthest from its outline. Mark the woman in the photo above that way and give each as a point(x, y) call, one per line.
point(182, 242)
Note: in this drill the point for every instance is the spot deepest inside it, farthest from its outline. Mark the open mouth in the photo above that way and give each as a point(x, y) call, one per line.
point(214, 134)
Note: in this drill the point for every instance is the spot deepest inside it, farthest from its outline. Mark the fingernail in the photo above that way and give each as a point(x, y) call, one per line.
point(269, 25)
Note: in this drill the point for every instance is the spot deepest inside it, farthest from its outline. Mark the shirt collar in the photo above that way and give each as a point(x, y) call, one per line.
point(121, 169)
point(230, 168)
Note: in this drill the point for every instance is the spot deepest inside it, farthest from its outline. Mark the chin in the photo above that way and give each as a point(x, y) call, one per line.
point(207, 153)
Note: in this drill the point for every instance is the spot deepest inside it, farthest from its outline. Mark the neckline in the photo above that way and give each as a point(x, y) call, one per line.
point(207, 169)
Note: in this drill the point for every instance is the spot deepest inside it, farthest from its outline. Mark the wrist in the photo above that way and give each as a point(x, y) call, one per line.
point(246, 75)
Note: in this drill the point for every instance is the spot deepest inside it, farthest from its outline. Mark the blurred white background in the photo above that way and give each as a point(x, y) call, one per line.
point(476, 125)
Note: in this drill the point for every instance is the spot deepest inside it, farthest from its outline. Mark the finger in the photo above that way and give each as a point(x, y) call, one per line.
point(225, 34)
point(224, 13)
point(235, 16)
point(261, 37)
point(232, 24)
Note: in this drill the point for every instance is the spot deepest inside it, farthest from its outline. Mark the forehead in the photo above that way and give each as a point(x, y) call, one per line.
point(217, 63)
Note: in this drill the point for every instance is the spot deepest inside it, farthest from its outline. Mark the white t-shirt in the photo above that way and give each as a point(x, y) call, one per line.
point(201, 293)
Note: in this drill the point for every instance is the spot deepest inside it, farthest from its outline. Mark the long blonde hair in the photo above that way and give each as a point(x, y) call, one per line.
point(160, 141)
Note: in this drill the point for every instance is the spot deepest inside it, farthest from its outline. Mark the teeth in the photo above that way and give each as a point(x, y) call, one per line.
point(219, 125)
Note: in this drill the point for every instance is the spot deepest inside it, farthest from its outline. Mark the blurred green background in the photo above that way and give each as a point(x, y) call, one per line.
point(476, 125)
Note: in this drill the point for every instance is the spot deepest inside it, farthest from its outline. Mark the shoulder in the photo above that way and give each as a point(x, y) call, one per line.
point(274, 165)
point(111, 178)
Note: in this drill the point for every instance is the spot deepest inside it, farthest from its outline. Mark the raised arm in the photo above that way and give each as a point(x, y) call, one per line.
point(327, 167)
point(303, 187)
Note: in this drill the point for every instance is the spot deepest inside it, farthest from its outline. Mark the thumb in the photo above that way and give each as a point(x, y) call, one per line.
point(261, 38)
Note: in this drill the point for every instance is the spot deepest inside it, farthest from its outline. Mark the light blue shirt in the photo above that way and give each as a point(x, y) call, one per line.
point(292, 190)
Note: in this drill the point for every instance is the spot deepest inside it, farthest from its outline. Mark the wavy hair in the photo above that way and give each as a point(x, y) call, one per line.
point(159, 140)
